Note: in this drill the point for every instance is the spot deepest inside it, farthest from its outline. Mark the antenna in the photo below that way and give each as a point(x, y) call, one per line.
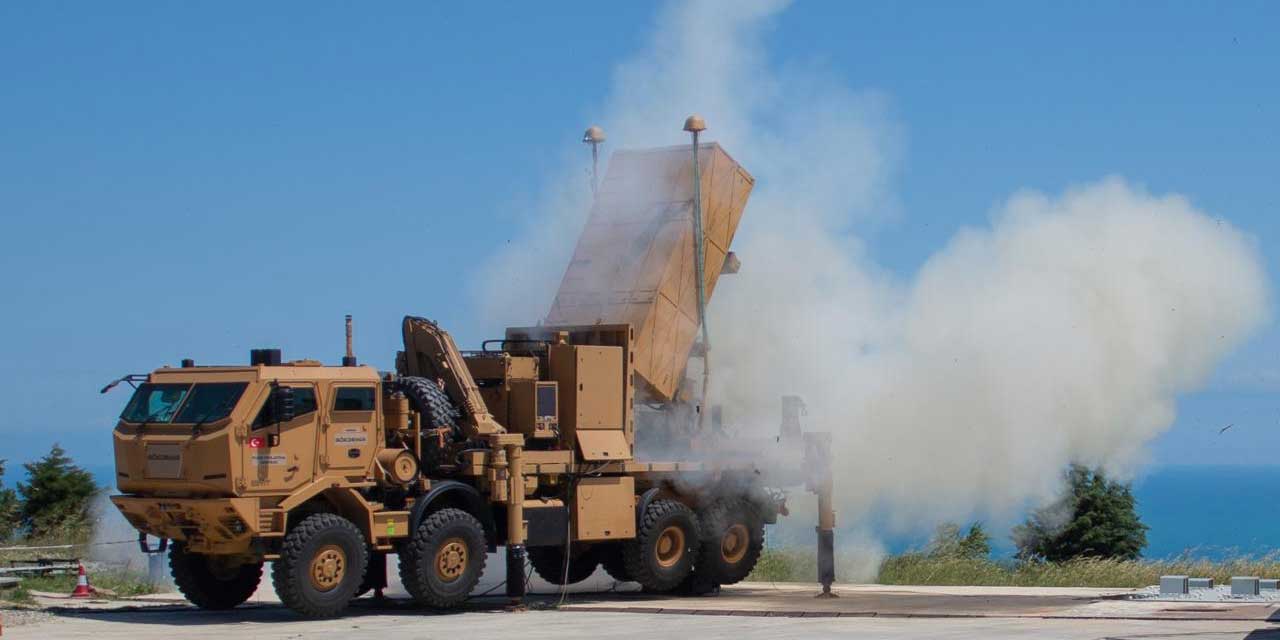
point(695, 124)
point(594, 137)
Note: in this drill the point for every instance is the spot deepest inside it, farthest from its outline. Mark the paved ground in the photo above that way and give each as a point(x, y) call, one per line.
point(272, 623)
point(741, 613)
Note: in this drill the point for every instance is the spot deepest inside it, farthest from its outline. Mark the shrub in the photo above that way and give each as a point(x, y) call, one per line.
point(9, 509)
point(55, 496)
point(1096, 518)
point(948, 543)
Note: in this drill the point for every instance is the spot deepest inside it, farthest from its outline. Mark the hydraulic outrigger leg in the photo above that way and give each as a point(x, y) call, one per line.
point(826, 541)
point(515, 521)
point(818, 457)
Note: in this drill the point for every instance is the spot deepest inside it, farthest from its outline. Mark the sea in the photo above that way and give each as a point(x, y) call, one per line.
point(1212, 512)
point(1207, 512)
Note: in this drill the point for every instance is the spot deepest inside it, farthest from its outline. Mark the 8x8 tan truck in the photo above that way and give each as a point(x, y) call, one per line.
point(528, 443)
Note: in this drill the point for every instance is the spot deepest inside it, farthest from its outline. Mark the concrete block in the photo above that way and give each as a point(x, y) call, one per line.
point(1244, 586)
point(1199, 583)
point(1268, 585)
point(1173, 585)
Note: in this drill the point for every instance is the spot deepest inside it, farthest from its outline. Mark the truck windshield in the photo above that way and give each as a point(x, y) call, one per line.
point(183, 403)
point(211, 402)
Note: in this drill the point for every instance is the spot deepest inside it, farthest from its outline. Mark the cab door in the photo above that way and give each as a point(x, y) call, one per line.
point(280, 456)
point(351, 428)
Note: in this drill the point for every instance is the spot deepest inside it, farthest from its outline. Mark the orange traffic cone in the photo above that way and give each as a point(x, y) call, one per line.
point(82, 590)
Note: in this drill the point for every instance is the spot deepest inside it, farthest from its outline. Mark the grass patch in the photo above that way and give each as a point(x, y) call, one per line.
point(800, 565)
point(110, 583)
point(1086, 572)
point(785, 565)
point(16, 595)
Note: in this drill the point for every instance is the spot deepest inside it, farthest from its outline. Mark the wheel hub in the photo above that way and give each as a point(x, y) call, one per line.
point(669, 547)
point(328, 568)
point(451, 560)
point(734, 543)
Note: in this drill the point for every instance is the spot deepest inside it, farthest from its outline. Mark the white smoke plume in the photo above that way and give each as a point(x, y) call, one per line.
point(1062, 331)
point(114, 542)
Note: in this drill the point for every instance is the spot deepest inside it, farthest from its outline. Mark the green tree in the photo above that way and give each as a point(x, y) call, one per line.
point(1095, 518)
point(948, 542)
point(8, 509)
point(56, 495)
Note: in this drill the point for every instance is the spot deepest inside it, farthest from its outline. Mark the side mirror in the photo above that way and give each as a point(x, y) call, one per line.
point(283, 399)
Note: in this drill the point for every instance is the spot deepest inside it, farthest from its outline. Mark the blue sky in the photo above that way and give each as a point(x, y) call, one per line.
point(183, 180)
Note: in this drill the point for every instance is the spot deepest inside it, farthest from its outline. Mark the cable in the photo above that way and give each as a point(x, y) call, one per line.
point(69, 546)
point(570, 489)
point(528, 574)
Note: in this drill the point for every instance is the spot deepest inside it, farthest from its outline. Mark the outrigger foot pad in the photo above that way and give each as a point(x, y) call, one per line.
point(516, 555)
point(826, 561)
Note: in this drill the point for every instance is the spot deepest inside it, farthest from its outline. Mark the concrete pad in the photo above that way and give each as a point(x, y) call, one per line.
point(951, 602)
point(740, 612)
point(276, 623)
point(1079, 592)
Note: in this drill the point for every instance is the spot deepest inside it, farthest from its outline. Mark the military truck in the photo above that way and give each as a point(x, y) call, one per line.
point(527, 443)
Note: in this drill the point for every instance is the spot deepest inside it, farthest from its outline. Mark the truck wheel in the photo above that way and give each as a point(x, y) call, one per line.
point(442, 560)
point(614, 562)
point(665, 548)
point(731, 542)
point(430, 400)
point(322, 563)
point(548, 563)
point(212, 582)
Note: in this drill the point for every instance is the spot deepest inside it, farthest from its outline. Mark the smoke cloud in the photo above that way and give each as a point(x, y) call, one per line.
point(1061, 331)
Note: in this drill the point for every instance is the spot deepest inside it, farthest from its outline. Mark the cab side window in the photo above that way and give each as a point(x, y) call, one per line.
point(304, 402)
point(353, 399)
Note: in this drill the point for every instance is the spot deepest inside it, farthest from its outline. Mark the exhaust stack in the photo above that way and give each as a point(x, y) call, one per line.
point(349, 360)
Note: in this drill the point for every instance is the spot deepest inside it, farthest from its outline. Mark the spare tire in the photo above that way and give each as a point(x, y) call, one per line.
point(437, 411)
point(427, 398)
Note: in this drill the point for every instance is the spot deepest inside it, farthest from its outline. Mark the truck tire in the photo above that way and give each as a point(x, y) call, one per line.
point(427, 398)
point(443, 558)
point(665, 548)
point(322, 564)
point(548, 563)
point(613, 561)
point(209, 583)
point(732, 537)
point(437, 411)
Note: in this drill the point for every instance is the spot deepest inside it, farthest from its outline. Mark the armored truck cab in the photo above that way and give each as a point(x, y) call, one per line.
point(221, 437)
